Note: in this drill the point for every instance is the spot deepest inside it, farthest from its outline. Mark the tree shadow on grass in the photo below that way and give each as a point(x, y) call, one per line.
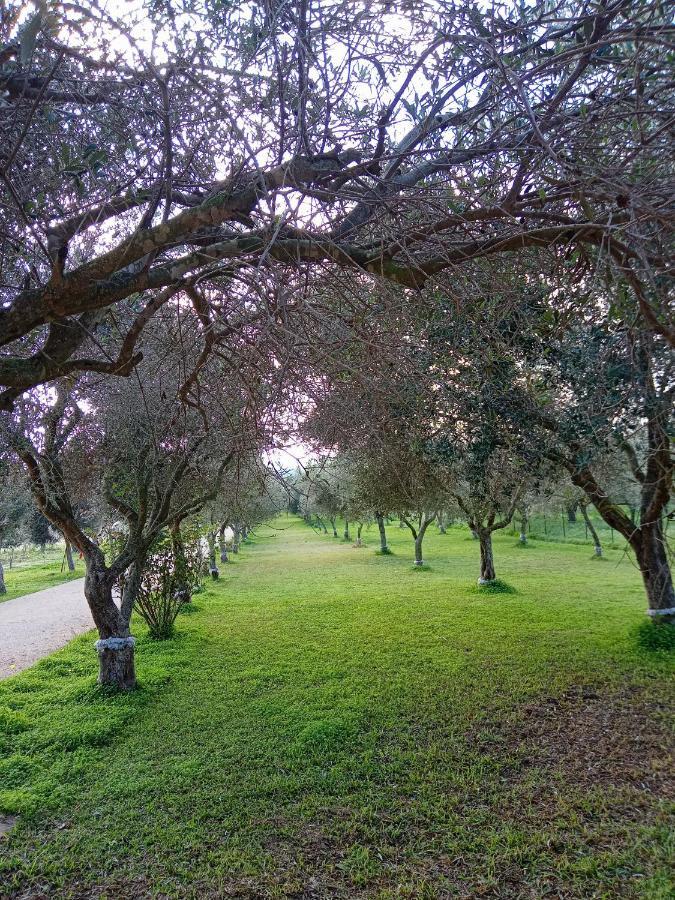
point(495, 587)
point(655, 637)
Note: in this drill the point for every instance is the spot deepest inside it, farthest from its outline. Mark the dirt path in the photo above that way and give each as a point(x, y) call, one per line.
point(35, 625)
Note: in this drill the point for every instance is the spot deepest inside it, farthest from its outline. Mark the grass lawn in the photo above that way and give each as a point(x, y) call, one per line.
point(25, 579)
point(333, 723)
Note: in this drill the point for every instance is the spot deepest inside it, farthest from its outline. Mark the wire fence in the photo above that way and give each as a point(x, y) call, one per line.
point(558, 527)
point(26, 555)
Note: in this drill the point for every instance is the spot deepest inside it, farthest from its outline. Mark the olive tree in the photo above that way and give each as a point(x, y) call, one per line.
point(150, 149)
point(151, 459)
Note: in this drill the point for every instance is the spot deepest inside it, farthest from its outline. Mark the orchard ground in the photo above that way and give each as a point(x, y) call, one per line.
point(33, 570)
point(333, 723)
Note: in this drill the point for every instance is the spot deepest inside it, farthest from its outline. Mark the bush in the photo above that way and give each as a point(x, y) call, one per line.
point(170, 575)
point(190, 563)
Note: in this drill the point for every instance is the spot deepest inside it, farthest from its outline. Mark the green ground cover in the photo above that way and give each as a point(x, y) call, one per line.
point(333, 723)
point(38, 572)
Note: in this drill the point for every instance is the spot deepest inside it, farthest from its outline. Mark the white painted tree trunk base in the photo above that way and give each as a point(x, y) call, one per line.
point(656, 613)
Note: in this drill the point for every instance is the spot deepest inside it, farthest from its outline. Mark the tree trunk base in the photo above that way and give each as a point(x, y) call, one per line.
point(598, 550)
point(662, 616)
point(482, 580)
point(418, 562)
point(116, 663)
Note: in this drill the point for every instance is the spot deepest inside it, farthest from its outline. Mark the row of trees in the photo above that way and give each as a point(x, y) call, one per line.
point(146, 462)
point(435, 236)
point(483, 424)
point(351, 490)
point(22, 525)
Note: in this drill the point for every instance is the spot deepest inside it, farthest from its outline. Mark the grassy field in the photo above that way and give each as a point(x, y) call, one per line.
point(333, 723)
point(34, 571)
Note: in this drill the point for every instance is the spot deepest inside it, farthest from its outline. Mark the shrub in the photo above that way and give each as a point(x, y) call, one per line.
point(189, 563)
point(169, 577)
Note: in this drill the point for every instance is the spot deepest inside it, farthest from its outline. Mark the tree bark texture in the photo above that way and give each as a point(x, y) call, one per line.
point(213, 568)
point(652, 557)
point(382, 531)
point(116, 663)
point(523, 526)
point(222, 543)
point(591, 528)
point(116, 646)
point(487, 564)
point(69, 557)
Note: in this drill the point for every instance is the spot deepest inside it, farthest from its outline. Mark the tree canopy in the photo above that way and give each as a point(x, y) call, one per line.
point(235, 154)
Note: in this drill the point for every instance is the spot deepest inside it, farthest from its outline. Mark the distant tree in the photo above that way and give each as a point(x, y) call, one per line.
point(40, 530)
point(489, 493)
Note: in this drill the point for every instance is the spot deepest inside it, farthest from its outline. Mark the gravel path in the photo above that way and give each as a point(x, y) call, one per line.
point(35, 625)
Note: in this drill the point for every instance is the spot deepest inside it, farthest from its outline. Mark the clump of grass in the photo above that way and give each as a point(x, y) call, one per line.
point(384, 552)
point(496, 587)
point(188, 609)
point(659, 636)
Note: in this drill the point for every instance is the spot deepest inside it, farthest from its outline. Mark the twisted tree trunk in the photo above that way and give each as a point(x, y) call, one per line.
point(418, 535)
point(583, 506)
point(487, 563)
point(69, 557)
point(383, 534)
point(213, 568)
point(115, 647)
point(222, 543)
point(523, 525)
point(652, 557)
